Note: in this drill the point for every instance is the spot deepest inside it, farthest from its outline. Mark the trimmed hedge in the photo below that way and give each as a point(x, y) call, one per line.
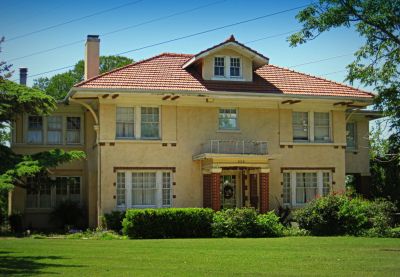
point(246, 223)
point(113, 220)
point(168, 223)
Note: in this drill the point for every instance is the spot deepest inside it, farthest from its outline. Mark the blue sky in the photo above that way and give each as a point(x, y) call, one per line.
point(24, 16)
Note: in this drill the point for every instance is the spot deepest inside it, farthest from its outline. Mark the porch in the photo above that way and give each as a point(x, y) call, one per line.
point(235, 174)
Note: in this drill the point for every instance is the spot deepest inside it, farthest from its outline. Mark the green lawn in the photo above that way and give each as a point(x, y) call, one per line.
point(290, 256)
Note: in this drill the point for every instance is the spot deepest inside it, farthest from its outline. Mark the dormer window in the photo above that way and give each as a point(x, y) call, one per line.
point(235, 67)
point(219, 66)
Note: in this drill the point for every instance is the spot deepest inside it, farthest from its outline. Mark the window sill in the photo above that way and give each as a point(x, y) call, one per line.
point(135, 141)
point(229, 131)
point(31, 145)
point(236, 79)
point(312, 143)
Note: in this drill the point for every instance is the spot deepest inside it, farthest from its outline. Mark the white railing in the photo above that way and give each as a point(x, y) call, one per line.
point(234, 147)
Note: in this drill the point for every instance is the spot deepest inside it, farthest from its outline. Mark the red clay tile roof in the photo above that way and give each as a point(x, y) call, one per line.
point(164, 72)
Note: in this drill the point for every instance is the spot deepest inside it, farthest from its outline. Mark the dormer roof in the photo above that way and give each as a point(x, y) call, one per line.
point(258, 59)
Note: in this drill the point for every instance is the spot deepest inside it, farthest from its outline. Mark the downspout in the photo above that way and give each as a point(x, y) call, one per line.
point(97, 130)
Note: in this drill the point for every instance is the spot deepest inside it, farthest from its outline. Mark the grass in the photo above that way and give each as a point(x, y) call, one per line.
point(289, 256)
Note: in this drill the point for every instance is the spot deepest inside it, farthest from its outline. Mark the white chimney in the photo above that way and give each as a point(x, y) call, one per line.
point(92, 59)
point(23, 75)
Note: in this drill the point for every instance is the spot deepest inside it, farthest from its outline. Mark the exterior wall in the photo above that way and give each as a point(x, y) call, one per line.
point(208, 64)
point(357, 160)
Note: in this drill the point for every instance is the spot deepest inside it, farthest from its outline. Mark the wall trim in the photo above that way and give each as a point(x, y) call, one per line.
point(308, 168)
point(173, 169)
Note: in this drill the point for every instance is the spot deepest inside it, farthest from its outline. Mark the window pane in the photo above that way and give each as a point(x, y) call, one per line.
point(306, 187)
point(219, 66)
point(351, 135)
point(326, 183)
point(120, 189)
point(73, 130)
point(144, 189)
point(227, 119)
point(235, 67)
point(150, 118)
point(32, 194)
point(286, 188)
point(74, 184)
point(125, 122)
point(61, 190)
point(54, 130)
point(321, 127)
point(45, 195)
point(35, 129)
point(166, 189)
point(300, 126)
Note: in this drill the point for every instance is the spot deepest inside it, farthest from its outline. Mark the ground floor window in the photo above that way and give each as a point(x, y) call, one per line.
point(49, 193)
point(300, 187)
point(141, 189)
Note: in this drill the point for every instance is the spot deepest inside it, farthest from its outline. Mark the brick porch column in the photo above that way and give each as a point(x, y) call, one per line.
point(264, 191)
point(215, 191)
point(207, 190)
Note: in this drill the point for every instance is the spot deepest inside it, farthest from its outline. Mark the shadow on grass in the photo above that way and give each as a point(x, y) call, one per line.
point(14, 265)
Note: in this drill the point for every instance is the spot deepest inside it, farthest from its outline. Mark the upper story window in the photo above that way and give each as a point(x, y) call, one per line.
point(311, 126)
point(300, 187)
point(54, 130)
point(235, 67)
point(73, 130)
point(228, 119)
point(125, 122)
point(219, 66)
point(150, 119)
point(35, 129)
point(351, 135)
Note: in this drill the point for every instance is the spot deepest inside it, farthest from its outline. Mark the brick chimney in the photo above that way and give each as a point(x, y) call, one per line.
point(23, 75)
point(92, 59)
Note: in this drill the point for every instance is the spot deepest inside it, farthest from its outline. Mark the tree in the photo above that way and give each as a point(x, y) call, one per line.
point(377, 62)
point(59, 85)
point(14, 168)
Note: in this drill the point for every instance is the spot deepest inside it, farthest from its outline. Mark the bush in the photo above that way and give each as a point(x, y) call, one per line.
point(68, 214)
point(395, 232)
point(168, 223)
point(342, 215)
point(113, 220)
point(15, 221)
point(244, 223)
point(97, 234)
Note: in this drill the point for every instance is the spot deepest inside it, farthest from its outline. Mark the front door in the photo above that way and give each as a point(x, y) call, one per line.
point(228, 191)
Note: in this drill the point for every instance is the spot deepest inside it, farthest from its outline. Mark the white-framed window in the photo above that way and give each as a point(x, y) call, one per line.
point(235, 67)
point(35, 129)
point(311, 126)
point(54, 130)
point(144, 189)
point(351, 135)
point(300, 126)
point(150, 123)
point(228, 119)
point(300, 187)
point(125, 125)
point(57, 129)
point(219, 66)
point(50, 193)
point(73, 130)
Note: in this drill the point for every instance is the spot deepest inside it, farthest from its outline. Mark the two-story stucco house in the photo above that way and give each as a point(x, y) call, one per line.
point(222, 128)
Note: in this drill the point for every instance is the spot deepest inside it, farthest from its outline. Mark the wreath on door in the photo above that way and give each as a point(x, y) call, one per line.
point(228, 192)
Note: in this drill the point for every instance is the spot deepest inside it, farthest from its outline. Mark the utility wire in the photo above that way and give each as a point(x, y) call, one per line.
point(184, 37)
point(72, 20)
point(271, 36)
point(322, 60)
point(119, 30)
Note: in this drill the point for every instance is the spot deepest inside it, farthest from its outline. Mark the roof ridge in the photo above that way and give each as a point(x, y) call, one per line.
point(128, 65)
point(318, 77)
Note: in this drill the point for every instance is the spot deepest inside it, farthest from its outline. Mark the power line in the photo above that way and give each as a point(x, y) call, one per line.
point(271, 36)
point(119, 30)
point(322, 60)
point(73, 20)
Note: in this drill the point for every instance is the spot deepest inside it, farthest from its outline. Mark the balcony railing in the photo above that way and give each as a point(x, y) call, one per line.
point(234, 147)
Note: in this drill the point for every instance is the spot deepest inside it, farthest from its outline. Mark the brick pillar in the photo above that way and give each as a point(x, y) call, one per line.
point(207, 190)
point(264, 192)
point(215, 191)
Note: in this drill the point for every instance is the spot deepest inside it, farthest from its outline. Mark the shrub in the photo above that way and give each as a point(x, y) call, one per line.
point(168, 223)
point(97, 234)
point(244, 223)
point(395, 232)
point(68, 214)
point(113, 220)
point(15, 221)
point(341, 215)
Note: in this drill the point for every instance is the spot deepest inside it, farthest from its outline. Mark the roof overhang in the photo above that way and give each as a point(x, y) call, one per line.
point(258, 59)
